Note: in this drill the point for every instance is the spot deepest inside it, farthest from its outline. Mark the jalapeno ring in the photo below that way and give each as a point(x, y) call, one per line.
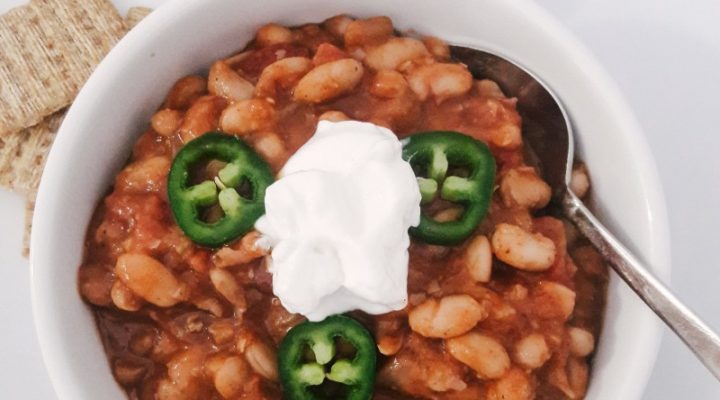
point(240, 213)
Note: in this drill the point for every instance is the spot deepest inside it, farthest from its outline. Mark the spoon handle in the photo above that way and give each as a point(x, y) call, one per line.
point(689, 327)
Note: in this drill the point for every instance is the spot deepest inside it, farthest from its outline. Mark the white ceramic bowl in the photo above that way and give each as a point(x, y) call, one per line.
point(184, 36)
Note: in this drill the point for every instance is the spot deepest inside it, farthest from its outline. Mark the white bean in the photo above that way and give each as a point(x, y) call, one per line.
point(437, 47)
point(521, 249)
point(271, 147)
point(166, 121)
point(227, 286)
point(523, 187)
point(394, 52)
point(283, 73)
point(150, 279)
point(242, 252)
point(271, 34)
point(368, 31)
point(478, 259)
point(329, 80)
point(201, 117)
point(388, 84)
point(334, 116)
point(124, 298)
point(440, 80)
point(507, 136)
point(532, 351)
point(337, 25)
point(230, 377)
point(582, 342)
point(262, 359)
point(184, 373)
point(448, 214)
point(485, 355)
point(514, 385)
point(247, 116)
point(225, 82)
point(489, 88)
point(144, 176)
point(579, 180)
point(448, 317)
point(557, 299)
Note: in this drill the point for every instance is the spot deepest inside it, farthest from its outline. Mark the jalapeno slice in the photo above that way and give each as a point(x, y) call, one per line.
point(311, 365)
point(243, 166)
point(437, 154)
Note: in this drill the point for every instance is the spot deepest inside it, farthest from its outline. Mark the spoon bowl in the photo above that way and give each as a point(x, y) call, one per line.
point(548, 133)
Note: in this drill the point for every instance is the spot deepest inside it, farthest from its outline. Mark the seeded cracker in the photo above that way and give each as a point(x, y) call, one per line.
point(135, 15)
point(49, 48)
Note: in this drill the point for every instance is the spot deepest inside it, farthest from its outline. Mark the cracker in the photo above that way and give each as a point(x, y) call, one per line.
point(29, 209)
point(23, 154)
point(49, 48)
point(135, 15)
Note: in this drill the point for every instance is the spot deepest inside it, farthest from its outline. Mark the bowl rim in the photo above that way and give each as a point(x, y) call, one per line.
point(168, 11)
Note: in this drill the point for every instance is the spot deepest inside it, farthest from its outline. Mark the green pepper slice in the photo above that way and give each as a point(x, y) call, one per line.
point(243, 165)
point(327, 372)
point(435, 153)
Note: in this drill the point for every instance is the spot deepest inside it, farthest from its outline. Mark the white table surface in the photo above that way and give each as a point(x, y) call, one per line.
point(665, 55)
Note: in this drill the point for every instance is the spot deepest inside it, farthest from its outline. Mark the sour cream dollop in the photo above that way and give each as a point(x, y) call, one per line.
point(337, 222)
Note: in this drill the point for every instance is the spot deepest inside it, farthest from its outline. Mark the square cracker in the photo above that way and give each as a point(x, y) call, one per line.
point(23, 154)
point(49, 48)
point(135, 15)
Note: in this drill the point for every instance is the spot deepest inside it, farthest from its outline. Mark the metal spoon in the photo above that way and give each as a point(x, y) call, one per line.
point(547, 130)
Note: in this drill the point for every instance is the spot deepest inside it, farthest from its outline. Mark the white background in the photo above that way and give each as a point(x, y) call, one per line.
point(665, 56)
